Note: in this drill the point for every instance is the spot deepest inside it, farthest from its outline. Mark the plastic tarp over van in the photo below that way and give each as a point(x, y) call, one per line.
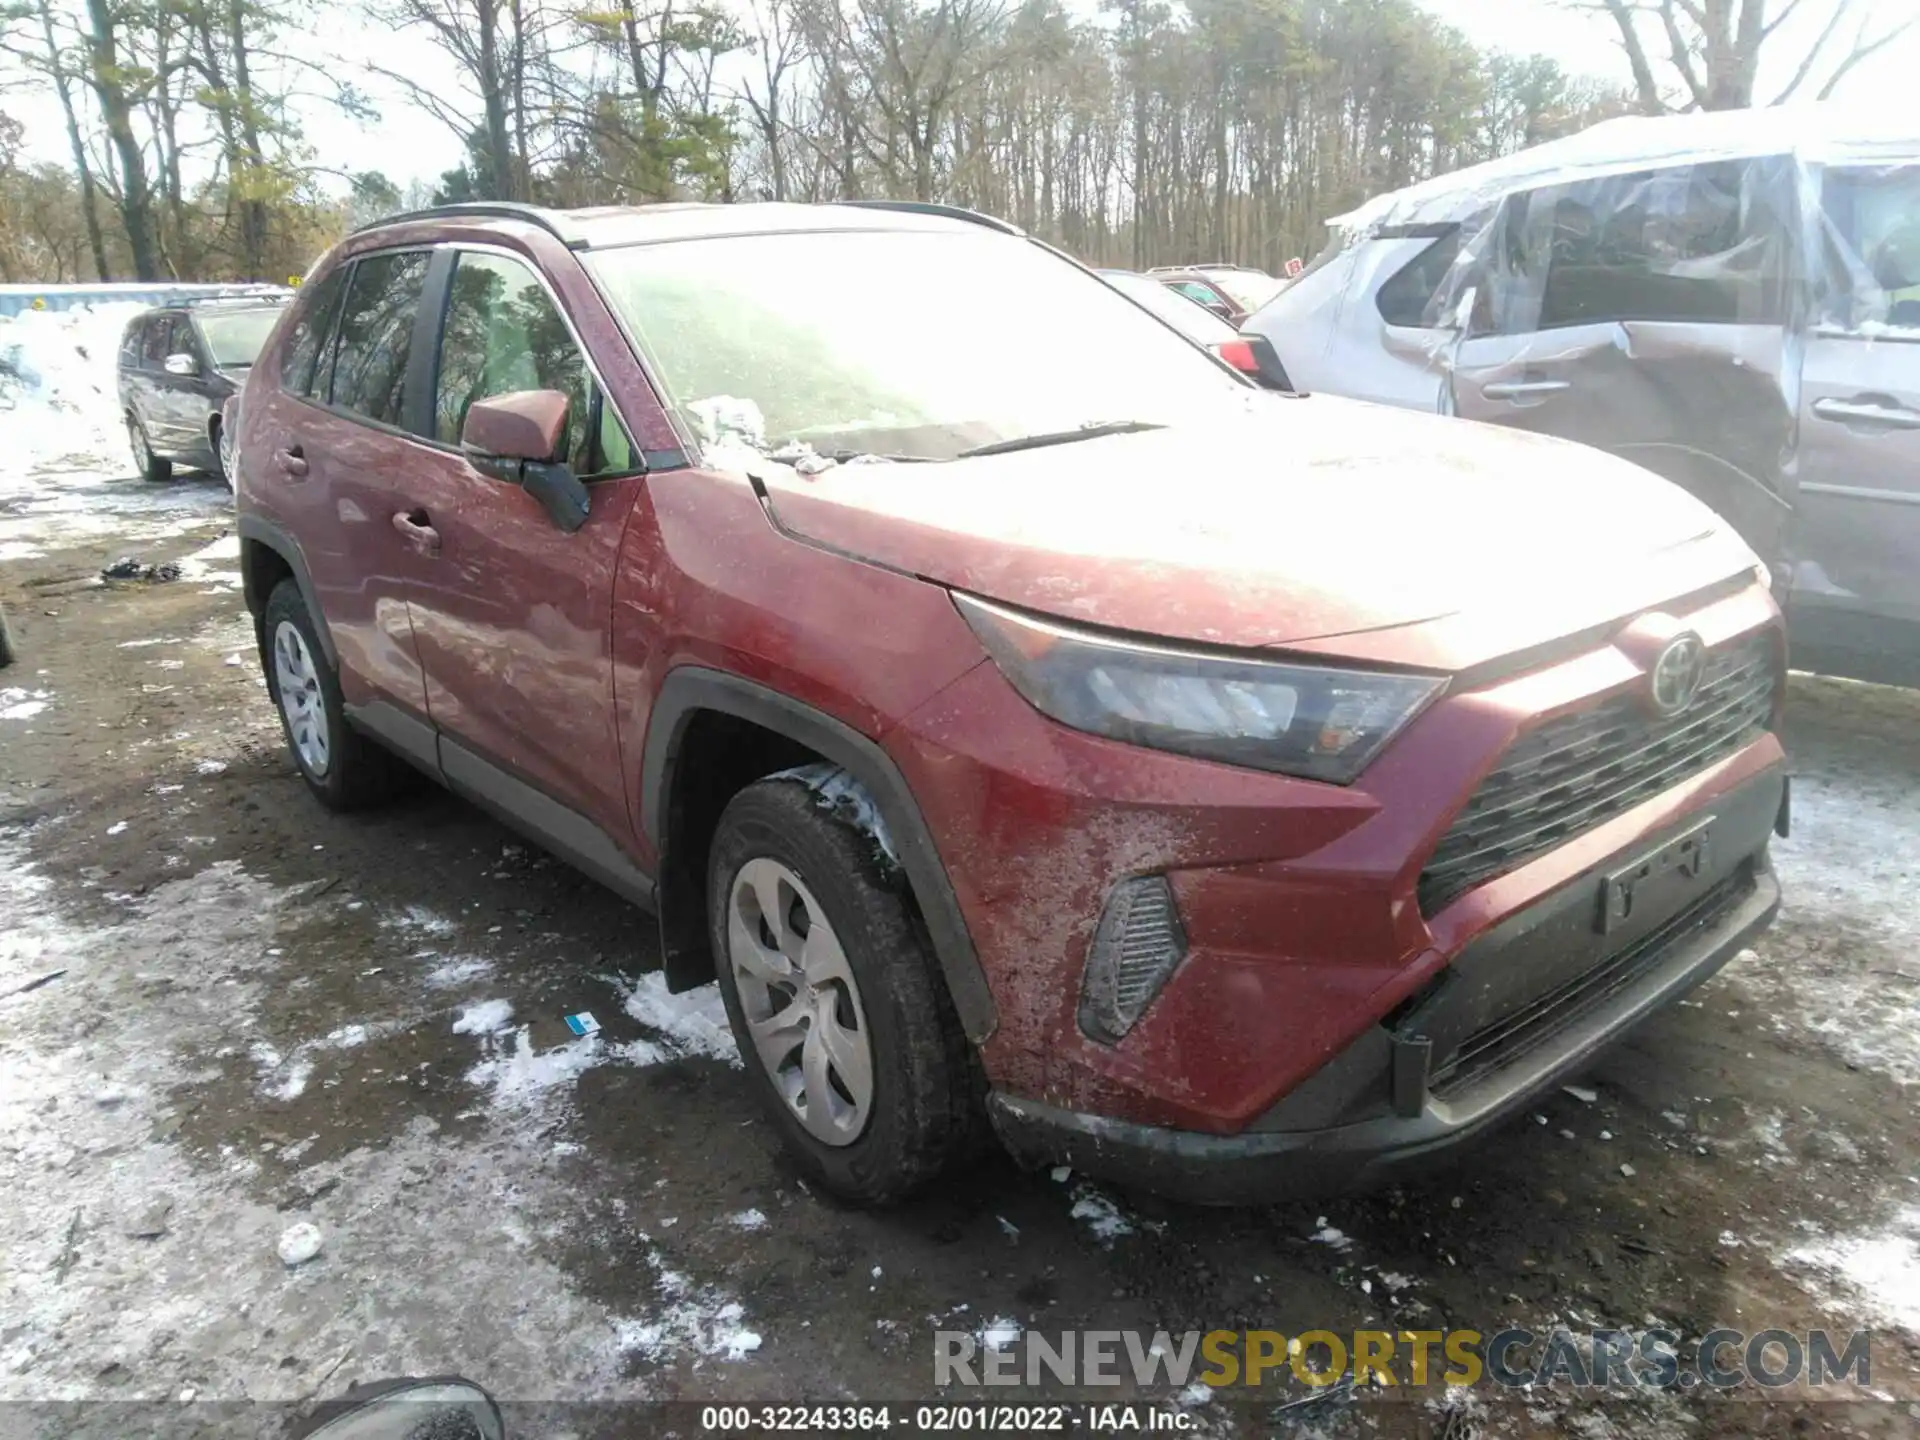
point(1698, 293)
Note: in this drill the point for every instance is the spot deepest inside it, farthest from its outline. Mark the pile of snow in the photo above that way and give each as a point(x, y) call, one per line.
point(59, 391)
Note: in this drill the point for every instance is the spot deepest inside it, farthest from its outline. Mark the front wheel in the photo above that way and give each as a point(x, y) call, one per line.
point(152, 468)
point(6, 642)
point(836, 1004)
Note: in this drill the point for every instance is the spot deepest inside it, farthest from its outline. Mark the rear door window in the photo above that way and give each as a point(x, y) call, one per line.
point(311, 331)
point(1873, 243)
point(376, 335)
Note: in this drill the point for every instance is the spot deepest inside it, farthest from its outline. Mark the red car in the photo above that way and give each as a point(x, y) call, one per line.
point(1228, 792)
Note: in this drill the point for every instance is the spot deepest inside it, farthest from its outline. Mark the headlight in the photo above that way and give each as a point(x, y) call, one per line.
point(1306, 720)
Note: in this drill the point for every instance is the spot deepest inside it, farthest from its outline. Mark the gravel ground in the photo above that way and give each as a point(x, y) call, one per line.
point(262, 1016)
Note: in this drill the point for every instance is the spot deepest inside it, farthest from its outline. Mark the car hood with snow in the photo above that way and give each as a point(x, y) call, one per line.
point(1316, 524)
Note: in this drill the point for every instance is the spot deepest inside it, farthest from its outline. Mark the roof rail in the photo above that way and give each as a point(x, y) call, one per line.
point(267, 294)
point(928, 207)
point(547, 220)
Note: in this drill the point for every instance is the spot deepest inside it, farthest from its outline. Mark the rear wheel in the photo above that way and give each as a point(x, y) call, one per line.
point(836, 1004)
point(152, 467)
point(344, 769)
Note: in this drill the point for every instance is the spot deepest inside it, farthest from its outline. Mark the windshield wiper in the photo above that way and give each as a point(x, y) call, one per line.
point(1091, 431)
point(843, 456)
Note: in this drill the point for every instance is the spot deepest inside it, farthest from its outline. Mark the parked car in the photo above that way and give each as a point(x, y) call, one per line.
point(179, 364)
point(1731, 300)
point(1228, 796)
point(1232, 292)
point(1196, 322)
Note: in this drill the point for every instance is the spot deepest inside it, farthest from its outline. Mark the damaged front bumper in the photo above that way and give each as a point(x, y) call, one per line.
point(1527, 1004)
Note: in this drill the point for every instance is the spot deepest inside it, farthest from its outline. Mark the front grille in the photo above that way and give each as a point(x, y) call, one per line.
point(1503, 1041)
point(1581, 769)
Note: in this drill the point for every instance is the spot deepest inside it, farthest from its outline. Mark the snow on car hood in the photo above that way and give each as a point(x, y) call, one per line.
point(1314, 523)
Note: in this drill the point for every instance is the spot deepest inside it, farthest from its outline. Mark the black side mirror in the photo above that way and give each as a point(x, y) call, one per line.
point(559, 492)
point(438, 1409)
point(514, 438)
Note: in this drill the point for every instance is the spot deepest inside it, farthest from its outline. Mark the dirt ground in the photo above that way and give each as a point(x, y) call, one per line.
point(262, 1014)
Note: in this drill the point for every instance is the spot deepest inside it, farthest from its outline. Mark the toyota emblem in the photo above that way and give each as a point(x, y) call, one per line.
point(1676, 674)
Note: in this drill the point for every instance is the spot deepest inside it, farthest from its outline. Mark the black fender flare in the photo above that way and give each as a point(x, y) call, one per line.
point(689, 689)
point(258, 530)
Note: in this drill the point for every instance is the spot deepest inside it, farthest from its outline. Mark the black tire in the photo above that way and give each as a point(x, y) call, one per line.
point(7, 656)
point(153, 469)
point(924, 1110)
point(357, 773)
point(216, 438)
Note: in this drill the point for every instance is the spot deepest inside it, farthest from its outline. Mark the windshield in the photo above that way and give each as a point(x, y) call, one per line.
point(919, 344)
point(234, 337)
point(1248, 289)
point(1185, 314)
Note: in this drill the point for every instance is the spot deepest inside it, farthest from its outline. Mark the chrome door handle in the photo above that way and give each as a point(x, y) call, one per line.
point(1524, 389)
point(1858, 412)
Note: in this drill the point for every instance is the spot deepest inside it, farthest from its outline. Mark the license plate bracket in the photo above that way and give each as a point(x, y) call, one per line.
point(1685, 857)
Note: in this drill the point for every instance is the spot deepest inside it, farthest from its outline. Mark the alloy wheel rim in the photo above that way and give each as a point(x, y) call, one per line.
point(302, 705)
point(800, 1001)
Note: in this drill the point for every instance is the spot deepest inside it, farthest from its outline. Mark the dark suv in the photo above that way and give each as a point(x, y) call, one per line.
point(1230, 792)
point(179, 365)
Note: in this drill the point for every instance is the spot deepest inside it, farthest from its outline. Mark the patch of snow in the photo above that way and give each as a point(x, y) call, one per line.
point(1840, 966)
point(458, 971)
point(420, 919)
point(18, 704)
point(694, 1022)
point(488, 1017)
point(1100, 1215)
point(723, 418)
point(748, 1220)
point(1329, 1235)
point(1000, 1332)
point(518, 1074)
point(1878, 1271)
point(696, 1318)
point(844, 797)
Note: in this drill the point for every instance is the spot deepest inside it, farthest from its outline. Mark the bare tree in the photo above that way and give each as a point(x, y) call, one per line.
point(1712, 49)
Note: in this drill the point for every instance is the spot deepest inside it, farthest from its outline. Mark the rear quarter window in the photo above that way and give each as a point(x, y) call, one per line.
point(1407, 299)
point(319, 303)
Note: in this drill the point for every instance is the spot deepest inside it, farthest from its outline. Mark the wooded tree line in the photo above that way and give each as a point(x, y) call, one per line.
point(1141, 132)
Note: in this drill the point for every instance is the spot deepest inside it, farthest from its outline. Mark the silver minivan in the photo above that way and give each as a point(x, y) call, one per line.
point(1731, 300)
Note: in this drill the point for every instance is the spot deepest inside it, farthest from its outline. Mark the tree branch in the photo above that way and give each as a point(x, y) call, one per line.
point(1861, 52)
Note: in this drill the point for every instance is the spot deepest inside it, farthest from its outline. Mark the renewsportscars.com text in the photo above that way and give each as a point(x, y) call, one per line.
point(1224, 1359)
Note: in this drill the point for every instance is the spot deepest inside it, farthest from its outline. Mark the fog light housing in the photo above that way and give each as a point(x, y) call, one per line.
point(1138, 944)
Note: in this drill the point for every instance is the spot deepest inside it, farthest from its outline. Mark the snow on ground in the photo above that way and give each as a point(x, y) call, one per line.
point(89, 1148)
point(68, 477)
point(1843, 965)
point(58, 382)
point(1878, 1270)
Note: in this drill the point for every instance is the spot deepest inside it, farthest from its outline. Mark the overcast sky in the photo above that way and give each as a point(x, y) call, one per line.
point(407, 145)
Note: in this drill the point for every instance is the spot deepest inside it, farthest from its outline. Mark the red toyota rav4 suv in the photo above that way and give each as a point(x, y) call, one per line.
point(1228, 792)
